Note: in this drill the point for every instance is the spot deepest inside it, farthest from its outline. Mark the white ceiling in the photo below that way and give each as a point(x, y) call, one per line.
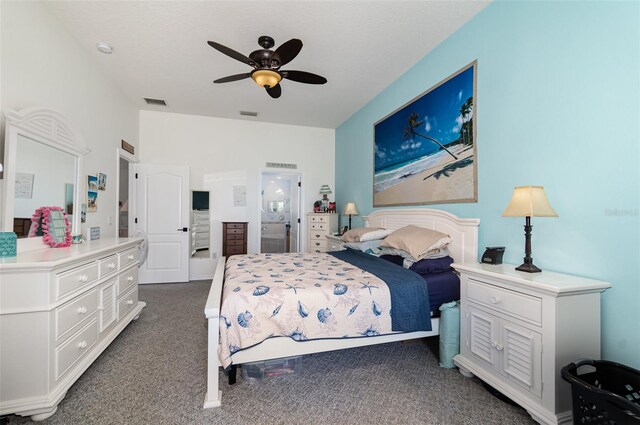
point(161, 51)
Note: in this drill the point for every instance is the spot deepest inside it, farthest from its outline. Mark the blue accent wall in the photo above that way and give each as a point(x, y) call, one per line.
point(558, 96)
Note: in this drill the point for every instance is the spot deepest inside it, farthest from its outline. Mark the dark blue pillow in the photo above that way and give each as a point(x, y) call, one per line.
point(395, 259)
point(435, 265)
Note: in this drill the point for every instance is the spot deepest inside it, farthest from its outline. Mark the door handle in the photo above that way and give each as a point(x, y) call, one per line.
point(184, 229)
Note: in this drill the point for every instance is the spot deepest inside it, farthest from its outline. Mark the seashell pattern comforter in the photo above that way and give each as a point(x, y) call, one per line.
point(299, 295)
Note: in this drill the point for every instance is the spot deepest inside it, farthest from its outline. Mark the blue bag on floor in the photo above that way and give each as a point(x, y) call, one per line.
point(449, 333)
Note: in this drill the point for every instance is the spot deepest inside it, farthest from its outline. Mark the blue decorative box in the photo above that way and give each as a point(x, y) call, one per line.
point(8, 241)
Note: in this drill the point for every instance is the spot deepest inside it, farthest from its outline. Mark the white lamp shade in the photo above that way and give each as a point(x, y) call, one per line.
point(325, 189)
point(350, 209)
point(529, 201)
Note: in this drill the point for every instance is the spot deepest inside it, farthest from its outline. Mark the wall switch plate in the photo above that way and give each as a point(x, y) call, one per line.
point(214, 255)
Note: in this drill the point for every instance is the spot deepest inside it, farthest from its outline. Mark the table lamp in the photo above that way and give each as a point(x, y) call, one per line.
point(528, 201)
point(350, 210)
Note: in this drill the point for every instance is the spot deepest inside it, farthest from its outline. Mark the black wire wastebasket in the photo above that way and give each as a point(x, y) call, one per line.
point(603, 392)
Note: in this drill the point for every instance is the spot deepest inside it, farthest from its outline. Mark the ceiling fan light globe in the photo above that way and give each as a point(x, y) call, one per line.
point(266, 77)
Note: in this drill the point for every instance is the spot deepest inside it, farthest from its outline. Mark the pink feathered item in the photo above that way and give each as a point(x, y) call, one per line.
point(45, 214)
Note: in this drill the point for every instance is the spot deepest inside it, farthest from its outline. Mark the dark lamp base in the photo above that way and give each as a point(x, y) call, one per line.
point(529, 268)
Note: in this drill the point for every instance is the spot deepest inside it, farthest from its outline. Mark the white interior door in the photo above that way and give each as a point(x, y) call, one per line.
point(162, 212)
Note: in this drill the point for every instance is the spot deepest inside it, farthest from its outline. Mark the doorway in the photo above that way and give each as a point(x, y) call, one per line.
point(280, 212)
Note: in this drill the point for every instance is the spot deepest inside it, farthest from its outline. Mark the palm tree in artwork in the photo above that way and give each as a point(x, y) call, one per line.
point(465, 130)
point(410, 131)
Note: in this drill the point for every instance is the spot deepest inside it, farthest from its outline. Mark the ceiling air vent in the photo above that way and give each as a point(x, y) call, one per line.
point(159, 102)
point(249, 113)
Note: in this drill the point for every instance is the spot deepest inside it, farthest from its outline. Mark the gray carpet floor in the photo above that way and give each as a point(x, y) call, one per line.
point(154, 373)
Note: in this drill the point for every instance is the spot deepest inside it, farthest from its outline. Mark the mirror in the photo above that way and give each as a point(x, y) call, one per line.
point(45, 176)
point(43, 167)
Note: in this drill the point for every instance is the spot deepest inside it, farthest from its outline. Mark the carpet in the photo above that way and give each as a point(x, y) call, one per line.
point(155, 373)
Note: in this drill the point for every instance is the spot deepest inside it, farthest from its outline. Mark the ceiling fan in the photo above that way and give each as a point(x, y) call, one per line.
point(267, 63)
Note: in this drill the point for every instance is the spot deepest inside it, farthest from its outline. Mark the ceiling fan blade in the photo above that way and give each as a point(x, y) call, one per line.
point(231, 78)
point(231, 53)
point(303, 77)
point(287, 52)
point(274, 92)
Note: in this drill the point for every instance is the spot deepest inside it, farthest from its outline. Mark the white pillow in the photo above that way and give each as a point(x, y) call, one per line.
point(363, 246)
point(375, 235)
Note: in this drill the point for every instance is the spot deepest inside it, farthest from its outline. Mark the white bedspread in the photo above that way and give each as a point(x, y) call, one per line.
point(302, 296)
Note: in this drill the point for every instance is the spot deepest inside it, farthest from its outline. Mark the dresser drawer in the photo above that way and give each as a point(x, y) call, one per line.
point(235, 231)
point(320, 245)
point(234, 242)
point(76, 347)
point(234, 237)
point(75, 312)
point(127, 302)
point(318, 226)
point(518, 305)
point(235, 249)
point(76, 278)
point(201, 243)
point(127, 279)
point(235, 226)
point(107, 265)
point(318, 219)
point(318, 234)
point(127, 257)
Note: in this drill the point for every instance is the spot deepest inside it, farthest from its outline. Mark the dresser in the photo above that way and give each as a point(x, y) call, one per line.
point(234, 238)
point(319, 225)
point(59, 309)
point(517, 330)
point(200, 234)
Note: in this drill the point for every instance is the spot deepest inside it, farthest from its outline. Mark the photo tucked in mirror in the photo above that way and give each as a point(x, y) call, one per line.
point(44, 176)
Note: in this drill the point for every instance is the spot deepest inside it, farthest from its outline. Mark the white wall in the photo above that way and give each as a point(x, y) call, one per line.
point(42, 65)
point(222, 153)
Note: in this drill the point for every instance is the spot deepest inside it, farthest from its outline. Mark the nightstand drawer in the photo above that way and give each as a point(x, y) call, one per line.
point(513, 303)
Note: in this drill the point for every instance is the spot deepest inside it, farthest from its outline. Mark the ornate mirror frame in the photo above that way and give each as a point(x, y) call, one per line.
point(50, 128)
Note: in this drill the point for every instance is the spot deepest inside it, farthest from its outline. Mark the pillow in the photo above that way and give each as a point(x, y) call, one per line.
point(432, 265)
point(417, 241)
point(363, 234)
point(363, 246)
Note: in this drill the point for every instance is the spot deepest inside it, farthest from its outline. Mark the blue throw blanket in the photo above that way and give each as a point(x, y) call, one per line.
point(409, 295)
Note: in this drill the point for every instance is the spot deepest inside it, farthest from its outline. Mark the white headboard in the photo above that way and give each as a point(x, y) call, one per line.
point(463, 231)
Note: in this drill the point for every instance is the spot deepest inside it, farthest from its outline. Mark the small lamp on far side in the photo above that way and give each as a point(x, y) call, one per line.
point(350, 210)
point(528, 201)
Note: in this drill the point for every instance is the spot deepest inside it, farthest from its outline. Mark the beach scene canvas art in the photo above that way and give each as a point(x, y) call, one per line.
point(425, 152)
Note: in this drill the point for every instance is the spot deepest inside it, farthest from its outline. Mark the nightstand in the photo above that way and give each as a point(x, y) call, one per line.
point(334, 243)
point(507, 317)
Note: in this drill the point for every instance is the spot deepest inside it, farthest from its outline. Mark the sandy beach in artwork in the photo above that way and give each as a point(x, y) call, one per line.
point(445, 179)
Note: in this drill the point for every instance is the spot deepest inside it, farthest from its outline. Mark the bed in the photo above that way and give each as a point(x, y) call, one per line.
point(462, 248)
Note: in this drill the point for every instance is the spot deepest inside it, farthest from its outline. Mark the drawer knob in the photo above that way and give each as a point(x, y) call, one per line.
point(130, 278)
point(317, 243)
point(112, 265)
point(317, 236)
point(82, 344)
point(83, 278)
point(494, 300)
point(130, 302)
point(130, 257)
point(82, 310)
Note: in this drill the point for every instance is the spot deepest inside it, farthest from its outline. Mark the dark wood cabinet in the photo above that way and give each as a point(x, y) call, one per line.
point(21, 226)
point(234, 238)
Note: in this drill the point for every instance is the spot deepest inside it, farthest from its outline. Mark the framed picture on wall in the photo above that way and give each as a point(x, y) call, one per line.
point(425, 151)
